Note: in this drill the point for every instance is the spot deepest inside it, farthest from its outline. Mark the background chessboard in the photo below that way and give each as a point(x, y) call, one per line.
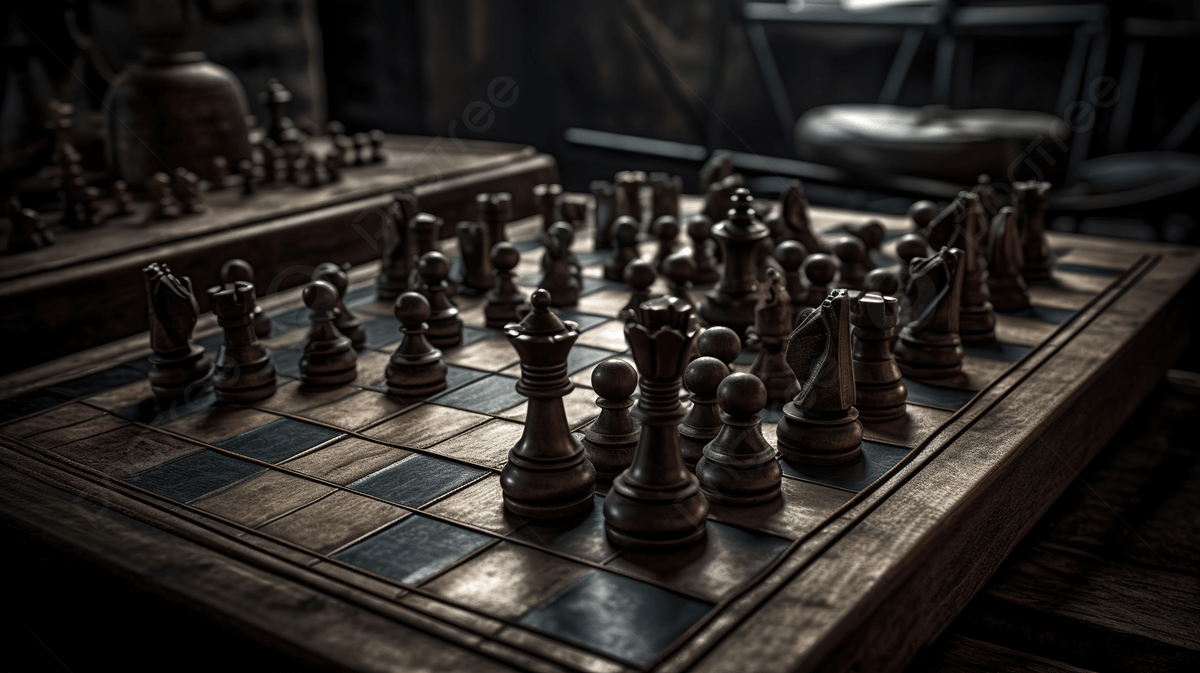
point(402, 498)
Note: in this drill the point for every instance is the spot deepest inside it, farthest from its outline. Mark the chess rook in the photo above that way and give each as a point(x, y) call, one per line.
point(178, 367)
point(664, 195)
point(880, 393)
point(929, 347)
point(474, 248)
point(329, 358)
point(1032, 198)
point(605, 197)
point(239, 269)
point(739, 466)
point(345, 320)
point(629, 195)
point(546, 197)
point(611, 440)
point(773, 322)
point(558, 276)
point(732, 303)
point(244, 370)
point(703, 420)
point(415, 369)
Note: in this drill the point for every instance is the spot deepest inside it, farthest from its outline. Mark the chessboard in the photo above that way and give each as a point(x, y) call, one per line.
point(370, 532)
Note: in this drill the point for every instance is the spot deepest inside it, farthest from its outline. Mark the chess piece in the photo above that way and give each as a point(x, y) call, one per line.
point(246, 171)
point(123, 198)
point(773, 323)
point(333, 166)
point(679, 269)
point(445, 327)
point(908, 248)
point(718, 167)
point(820, 270)
point(281, 129)
point(312, 171)
point(629, 195)
point(503, 299)
point(943, 230)
point(664, 195)
point(625, 231)
point(28, 231)
point(639, 276)
point(271, 155)
point(791, 256)
point(546, 197)
point(871, 233)
point(572, 211)
point(794, 208)
point(609, 442)
point(820, 426)
point(179, 367)
point(732, 303)
point(376, 138)
point(474, 247)
point(1032, 197)
point(699, 229)
point(362, 142)
point(244, 370)
point(929, 347)
point(495, 210)
point(703, 421)
point(329, 358)
point(557, 277)
point(721, 343)
point(989, 198)
point(1007, 287)
point(880, 394)
point(346, 322)
point(396, 272)
point(605, 197)
point(218, 172)
point(884, 280)
point(547, 475)
point(565, 236)
point(187, 190)
point(239, 269)
point(423, 231)
point(922, 213)
point(976, 320)
point(665, 230)
point(416, 368)
point(656, 503)
point(162, 199)
point(719, 197)
point(854, 262)
point(739, 466)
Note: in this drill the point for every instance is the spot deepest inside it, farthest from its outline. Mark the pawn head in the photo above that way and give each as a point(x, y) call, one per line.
point(666, 228)
point(922, 212)
point(820, 269)
point(791, 255)
point(625, 231)
point(235, 270)
point(849, 249)
point(741, 393)
point(411, 308)
point(703, 376)
point(679, 267)
point(433, 266)
point(331, 273)
point(320, 296)
point(505, 256)
point(721, 343)
point(699, 228)
point(614, 379)
point(639, 274)
point(910, 246)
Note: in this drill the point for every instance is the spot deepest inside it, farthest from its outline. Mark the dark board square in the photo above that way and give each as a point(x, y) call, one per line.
point(490, 395)
point(287, 321)
point(617, 616)
point(412, 550)
point(1054, 316)
point(194, 475)
point(381, 332)
point(360, 296)
point(155, 411)
point(582, 357)
point(581, 535)
point(527, 246)
point(1088, 270)
point(279, 440)
point(746, 357)
point(876, 459)
point(140, 364)
point(952, 399)
point(213, 342)
point(416, 480)
point(29, 403)
point(287, 361)
point(591, 285)
point(586, 320)
point(99, 382)
point(997, 351)
point(472, 334)
point(587, 259)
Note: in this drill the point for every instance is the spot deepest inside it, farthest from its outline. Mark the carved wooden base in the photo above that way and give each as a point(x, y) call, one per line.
point(819, 442)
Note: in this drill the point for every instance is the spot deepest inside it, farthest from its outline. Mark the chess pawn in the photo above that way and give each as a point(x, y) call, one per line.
point(820, 270)
point(178, 367)
point(445, 327)
point(495, 210)
point(396, 271)
point(218, 172)
point(639, 276)
point(475, 249)
point(547, 475)
point(1005, 260)
point(666, 230)
point(908, 248)
point(721, 343)
point(1032, 197)
point(793, 207)
point(732, 303)
point(772, 324)
point(187, 190)
point(791, 256)
point(162, 200)
point(416, 368)
point(699, 229)
point(921, 213)
point(346, 322)
point(929, 347)
point(625, 232)
point(244, 370)
point(976, 320)
point(123, 198)
point(503, 299)
point(361, 142)
point(565, 239)
point(703, 421)
point(546, 197)
point(656, 504)
point(239, 269)
point(376, 138)
point(605, 197)
point(679, 270)
point(739, 466)
point(821, 426)
point(557, 277)
point(880, 394)
point(611, 440)
point(855, 264)
point(246, 171)
point(329, 358)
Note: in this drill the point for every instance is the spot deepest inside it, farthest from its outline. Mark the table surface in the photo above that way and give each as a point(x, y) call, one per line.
point(369, 531)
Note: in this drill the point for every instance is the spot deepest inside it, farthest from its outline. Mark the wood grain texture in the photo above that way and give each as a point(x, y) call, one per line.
point(964, 655)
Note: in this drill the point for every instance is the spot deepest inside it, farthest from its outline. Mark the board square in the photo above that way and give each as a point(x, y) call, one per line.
point(127, 450)
point(616, 615)
point(77, 431)
point(263, 497)
point(607, 302)
point(51, 420)
point(213, 342)
point(481, 504)
point(802, 507)
point(413, 549)
point(156, 412)
point(491, 354)
point(360, 410)
point(416, 480)
point(346, 460)
point(908, 430)
point(287, 361)
point(126, 395)
point(486, 445)
point(997, 350)
point(489, 395)
point(610, 336)
point(287, 321)
point(294, 397)
point(582, 357)
point(381, 332)
point(952, 399)
point(876, 459)
point(195, 475)
point(28, 403)
point(586, 321)
point(334, 521)
point(507, 580)
point(99, 382)
point(1047, 314)
point(424, 426)
point(581, 535)
point(279, 440)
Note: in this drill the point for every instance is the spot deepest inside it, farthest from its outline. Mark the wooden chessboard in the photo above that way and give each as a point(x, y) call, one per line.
point(370, 532)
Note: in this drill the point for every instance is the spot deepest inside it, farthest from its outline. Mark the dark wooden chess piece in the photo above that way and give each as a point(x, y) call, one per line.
point(721, 343)
point(179, 367)
point(718, 167)
point(610, 442)
point(989, 198)
point(794, 208)
point(639, 276)
point(908, 248)
point(503, 299)
point(162, 199)
point(423, 230)
point(664, 195)
point(820, 270)
point(773, 322)
point(880, 393)
point(1005, 260)
point(239, 269)
point(679, 270)
point(281, 128)
point(625, 232)
point(246, 171)
point(699, 229)
point(558, 278)
point(929, 347)
point(333, 166)
point(922, 213)
point(943, 230)
point(395, 273)
point(854, 262)
point(475, 249)
point(719, 197)
point(547, 475)
point(605, 197)
point(732, 303)
point(871, 233)
point(703, 420)
point(820, 426)
point(791, 255)
point(244, 370)
point(665, 230)
point(187, 190)
point(546, 197)
point(884, 280)
point(629, 195)
point(376, 138)
point(362, 142)
point(565, 240)
point(416, 368)
point(976, 320)
point(28, 232)
point(218, 172)
point(739, 466)
point(445, 327)
point(572, 211)
point(657, 504)
point(329, 358)
point(346, 321)
point(1032, 197)
point(495, 210)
